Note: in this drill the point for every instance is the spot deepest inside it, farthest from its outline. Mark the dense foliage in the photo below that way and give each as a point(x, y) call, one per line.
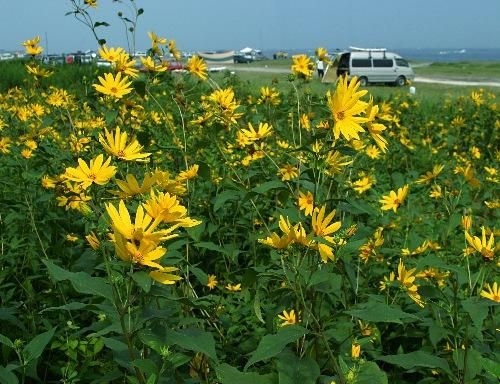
point(162, 228)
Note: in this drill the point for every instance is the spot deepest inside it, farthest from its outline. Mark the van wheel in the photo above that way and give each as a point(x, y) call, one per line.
point(363, 81)
point(400, 81)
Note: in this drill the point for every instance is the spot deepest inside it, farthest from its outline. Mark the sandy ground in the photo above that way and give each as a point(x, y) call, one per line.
point(418, 79)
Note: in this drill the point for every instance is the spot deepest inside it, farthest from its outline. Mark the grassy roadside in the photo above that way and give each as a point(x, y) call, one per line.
point(462, 70)
point(456, 71)
point(428, 92)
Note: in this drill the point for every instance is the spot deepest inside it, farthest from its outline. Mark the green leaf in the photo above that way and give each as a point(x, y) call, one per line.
point(152, 339)
point(477, 310)
point(36, 346)
point(140, 87)
point(146, 366)
point(377, 312)
point(225, 196)
point(114, 344)
point(417, 359)
point(370, 373)
point(6, 341)
point(293, 370)
point(74, 306)
point(101, 24)
point(143, 280)
point(230, 375)
point(200, 275)
point(493, 368)
point(256, 307)
point(193, 339)
point(7, 377)
point(360, 206)
point(269, 185)
point(209, 245)
point(271, 345)
point(81, 281)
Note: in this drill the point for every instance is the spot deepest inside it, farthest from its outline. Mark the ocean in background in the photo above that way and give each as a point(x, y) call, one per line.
point(422, 54)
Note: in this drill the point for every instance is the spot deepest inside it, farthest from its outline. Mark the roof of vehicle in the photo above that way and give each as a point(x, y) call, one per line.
point(372, 54)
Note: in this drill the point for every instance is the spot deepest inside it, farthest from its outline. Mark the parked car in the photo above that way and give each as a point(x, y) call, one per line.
point(53, 59)
point(241, 58)
point(175, 66)
point(374, 66)
point(103, 63)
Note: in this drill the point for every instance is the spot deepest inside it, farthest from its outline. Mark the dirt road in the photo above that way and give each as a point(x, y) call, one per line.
point(418, 79)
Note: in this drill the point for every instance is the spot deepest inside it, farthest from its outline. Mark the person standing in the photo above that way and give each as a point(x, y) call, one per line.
point(320, 66)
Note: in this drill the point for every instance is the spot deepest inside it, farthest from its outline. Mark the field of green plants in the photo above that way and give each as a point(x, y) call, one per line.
point(158, 227)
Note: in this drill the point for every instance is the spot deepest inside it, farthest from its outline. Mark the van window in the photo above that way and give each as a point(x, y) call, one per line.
point(401, 63)
point(385, 63)
point(361, 63)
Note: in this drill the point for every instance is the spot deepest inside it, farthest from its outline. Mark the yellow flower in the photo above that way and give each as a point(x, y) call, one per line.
point(322, 228)
point(98, 172)
point(173, 50)
point(466, 222)
point(268, 96)
point(355, 350)
point(32, 47)
point(188, 174)
point(302, 66)
point(436, 192)
point(164, 275)
point(212, 281)
point(346, 106)
point(485, 248)
point(386, 283)
point(491, 293)
point(113, 86)
point(336, 161)
point(406, 278)
point(142, 228)
point(93, 241)
point(288, 172)
point(288, 318)
point(91, 3)
point(126, 65)
point(71, 237)
point(151, 66)
point(110, 54)
point(156, 40)
point(49, 182)
point(26, 153)
point(197, 66)
point(372, 152)
point(37, 71)
point(142, 252)
point(130, 186)
point(430, 175)
point(362, 185)
point(233, 287)
point(305, 122)
point(167, 209)
point(306, 203)
point(251, 135)
point(117, 146)
point(375, 129)
point(394, 200)
point(322, 54)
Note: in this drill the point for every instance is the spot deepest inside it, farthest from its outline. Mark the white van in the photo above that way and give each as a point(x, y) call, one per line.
point(374, 66)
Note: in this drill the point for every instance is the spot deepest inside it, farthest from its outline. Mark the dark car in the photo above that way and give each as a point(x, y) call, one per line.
point(242, 58)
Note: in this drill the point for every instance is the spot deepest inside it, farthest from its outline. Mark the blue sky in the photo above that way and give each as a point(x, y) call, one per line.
point(266, 24)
